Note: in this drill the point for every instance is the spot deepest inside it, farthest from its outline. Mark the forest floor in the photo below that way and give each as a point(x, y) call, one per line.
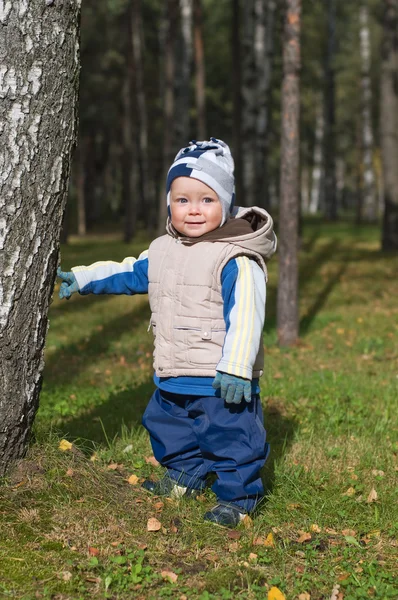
point(74, 521)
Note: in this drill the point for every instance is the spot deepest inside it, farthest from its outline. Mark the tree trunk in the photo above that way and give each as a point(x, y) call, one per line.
point(330, 117)
point(389, 124)
point(130, 144)
point(39, 50)
point(236, 68)
point(369, 199)
point(80, 172)
point(249, 98)
point(200, 70)
point(263, 52)
point(318, 168)
point(147, 186)
point(287, 301)
point(183, 75)
point(171, 14)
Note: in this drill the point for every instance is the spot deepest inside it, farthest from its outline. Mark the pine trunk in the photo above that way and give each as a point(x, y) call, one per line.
point(369, 199)
point(200, 76)
point(287, 302)
point(39, 50)
point(389, 124)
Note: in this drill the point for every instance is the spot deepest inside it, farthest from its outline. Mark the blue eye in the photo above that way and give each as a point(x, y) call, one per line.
point(182, 200)
point(208, 200)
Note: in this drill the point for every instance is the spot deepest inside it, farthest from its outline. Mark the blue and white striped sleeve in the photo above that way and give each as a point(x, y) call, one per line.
point(244, 294)
point(128, 277)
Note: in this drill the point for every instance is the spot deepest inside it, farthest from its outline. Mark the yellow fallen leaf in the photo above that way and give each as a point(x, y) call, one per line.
point(170, 576)
point(64, 445)
point(133, 480)
point(269, 541)
point(350, 492)
point(94, 457)
point(275, 594)
point(315, 528)
point(153, 524)
point(372, 496)
point(304, 596)
point(340, 331)
point(247, 522)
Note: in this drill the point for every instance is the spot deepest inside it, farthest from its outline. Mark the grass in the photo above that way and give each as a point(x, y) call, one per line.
point(73, 528)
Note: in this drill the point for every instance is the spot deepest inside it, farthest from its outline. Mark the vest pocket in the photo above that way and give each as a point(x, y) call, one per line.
point(203, 345)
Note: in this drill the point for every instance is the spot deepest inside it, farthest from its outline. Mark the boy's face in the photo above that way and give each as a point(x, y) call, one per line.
point(195, 207)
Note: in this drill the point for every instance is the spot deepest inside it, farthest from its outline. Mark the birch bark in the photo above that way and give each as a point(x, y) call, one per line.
point(369, 201)
point(39, 69)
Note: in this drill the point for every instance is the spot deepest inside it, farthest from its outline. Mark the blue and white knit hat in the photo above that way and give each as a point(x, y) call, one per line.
point(210, 162)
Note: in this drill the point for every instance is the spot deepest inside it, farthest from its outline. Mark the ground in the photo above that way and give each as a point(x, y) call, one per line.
point(74, 522)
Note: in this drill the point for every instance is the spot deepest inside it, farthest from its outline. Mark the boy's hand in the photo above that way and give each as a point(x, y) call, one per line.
point(69, 284)
point(233, 388)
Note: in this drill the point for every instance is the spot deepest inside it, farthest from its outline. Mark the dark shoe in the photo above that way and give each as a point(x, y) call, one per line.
point(228, 515)
point(169, 487)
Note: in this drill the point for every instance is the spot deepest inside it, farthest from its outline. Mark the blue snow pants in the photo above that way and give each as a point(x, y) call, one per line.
point(192, 436)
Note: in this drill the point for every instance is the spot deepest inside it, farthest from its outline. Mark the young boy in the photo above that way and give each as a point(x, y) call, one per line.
point(206, 280)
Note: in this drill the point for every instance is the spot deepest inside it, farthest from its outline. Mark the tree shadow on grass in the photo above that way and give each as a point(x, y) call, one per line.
point(280, 434)
point(69, 361)
point(106, 421)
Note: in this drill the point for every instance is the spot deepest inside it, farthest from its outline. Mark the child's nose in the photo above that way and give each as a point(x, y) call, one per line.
point(194, 208)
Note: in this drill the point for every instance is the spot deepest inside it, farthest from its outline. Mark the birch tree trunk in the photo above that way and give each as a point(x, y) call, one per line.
point(39, 69)
point(389, 124)
point(263, 51)
point(237, 98)
point(287, 300)
point(147, 186)
point(318, 168)
point(330, 117)
point(249, 112)
point(183, 74)
point(170, 21)
point(369, 199)
point(200, 75)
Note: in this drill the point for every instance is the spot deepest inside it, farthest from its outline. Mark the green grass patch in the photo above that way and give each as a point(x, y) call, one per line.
point(72, 527)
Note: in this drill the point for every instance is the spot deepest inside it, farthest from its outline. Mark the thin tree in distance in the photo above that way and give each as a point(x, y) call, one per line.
point(287, 300)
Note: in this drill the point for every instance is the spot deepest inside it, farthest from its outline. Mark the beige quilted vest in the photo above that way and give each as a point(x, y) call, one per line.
point(185, 298)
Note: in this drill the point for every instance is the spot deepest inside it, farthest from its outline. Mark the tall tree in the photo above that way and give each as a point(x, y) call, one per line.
point(389, 124)
point(368, 204)
point(330, 115)
point(287, 301)
point(183, 74)
point(236, 68)
point(170, 19)
point(318, 166)
point(39, 63)
point(200, 73)
point(249, 96)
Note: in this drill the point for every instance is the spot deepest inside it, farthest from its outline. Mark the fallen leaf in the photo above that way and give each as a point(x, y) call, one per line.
point(340, 331)
point(158, 505)
point(183, 597)
point(70, 472)
point(278, 376)
point(116, 543)
point(252, 556)
point(72, 396)
point(93, 551)
point(269, 541)
point(151, 460)
point(133, 480)
point(293, 506)
point(350, 492)
point(172, 577)
point(344, 576)
point(247, 522)
point(67, 575)
point(113, 467)
point(350, 532)
point(300, 569)
point(64, 445)
point(128, 449)
point(233, 534)
point(94, 457)
point(315, 528)
point(377, 473)
point(153, 524)
point(304, 596)
point(372, 496)
point(233, 547)
point(275, 594)
point(142, 546)
point(304, 537)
